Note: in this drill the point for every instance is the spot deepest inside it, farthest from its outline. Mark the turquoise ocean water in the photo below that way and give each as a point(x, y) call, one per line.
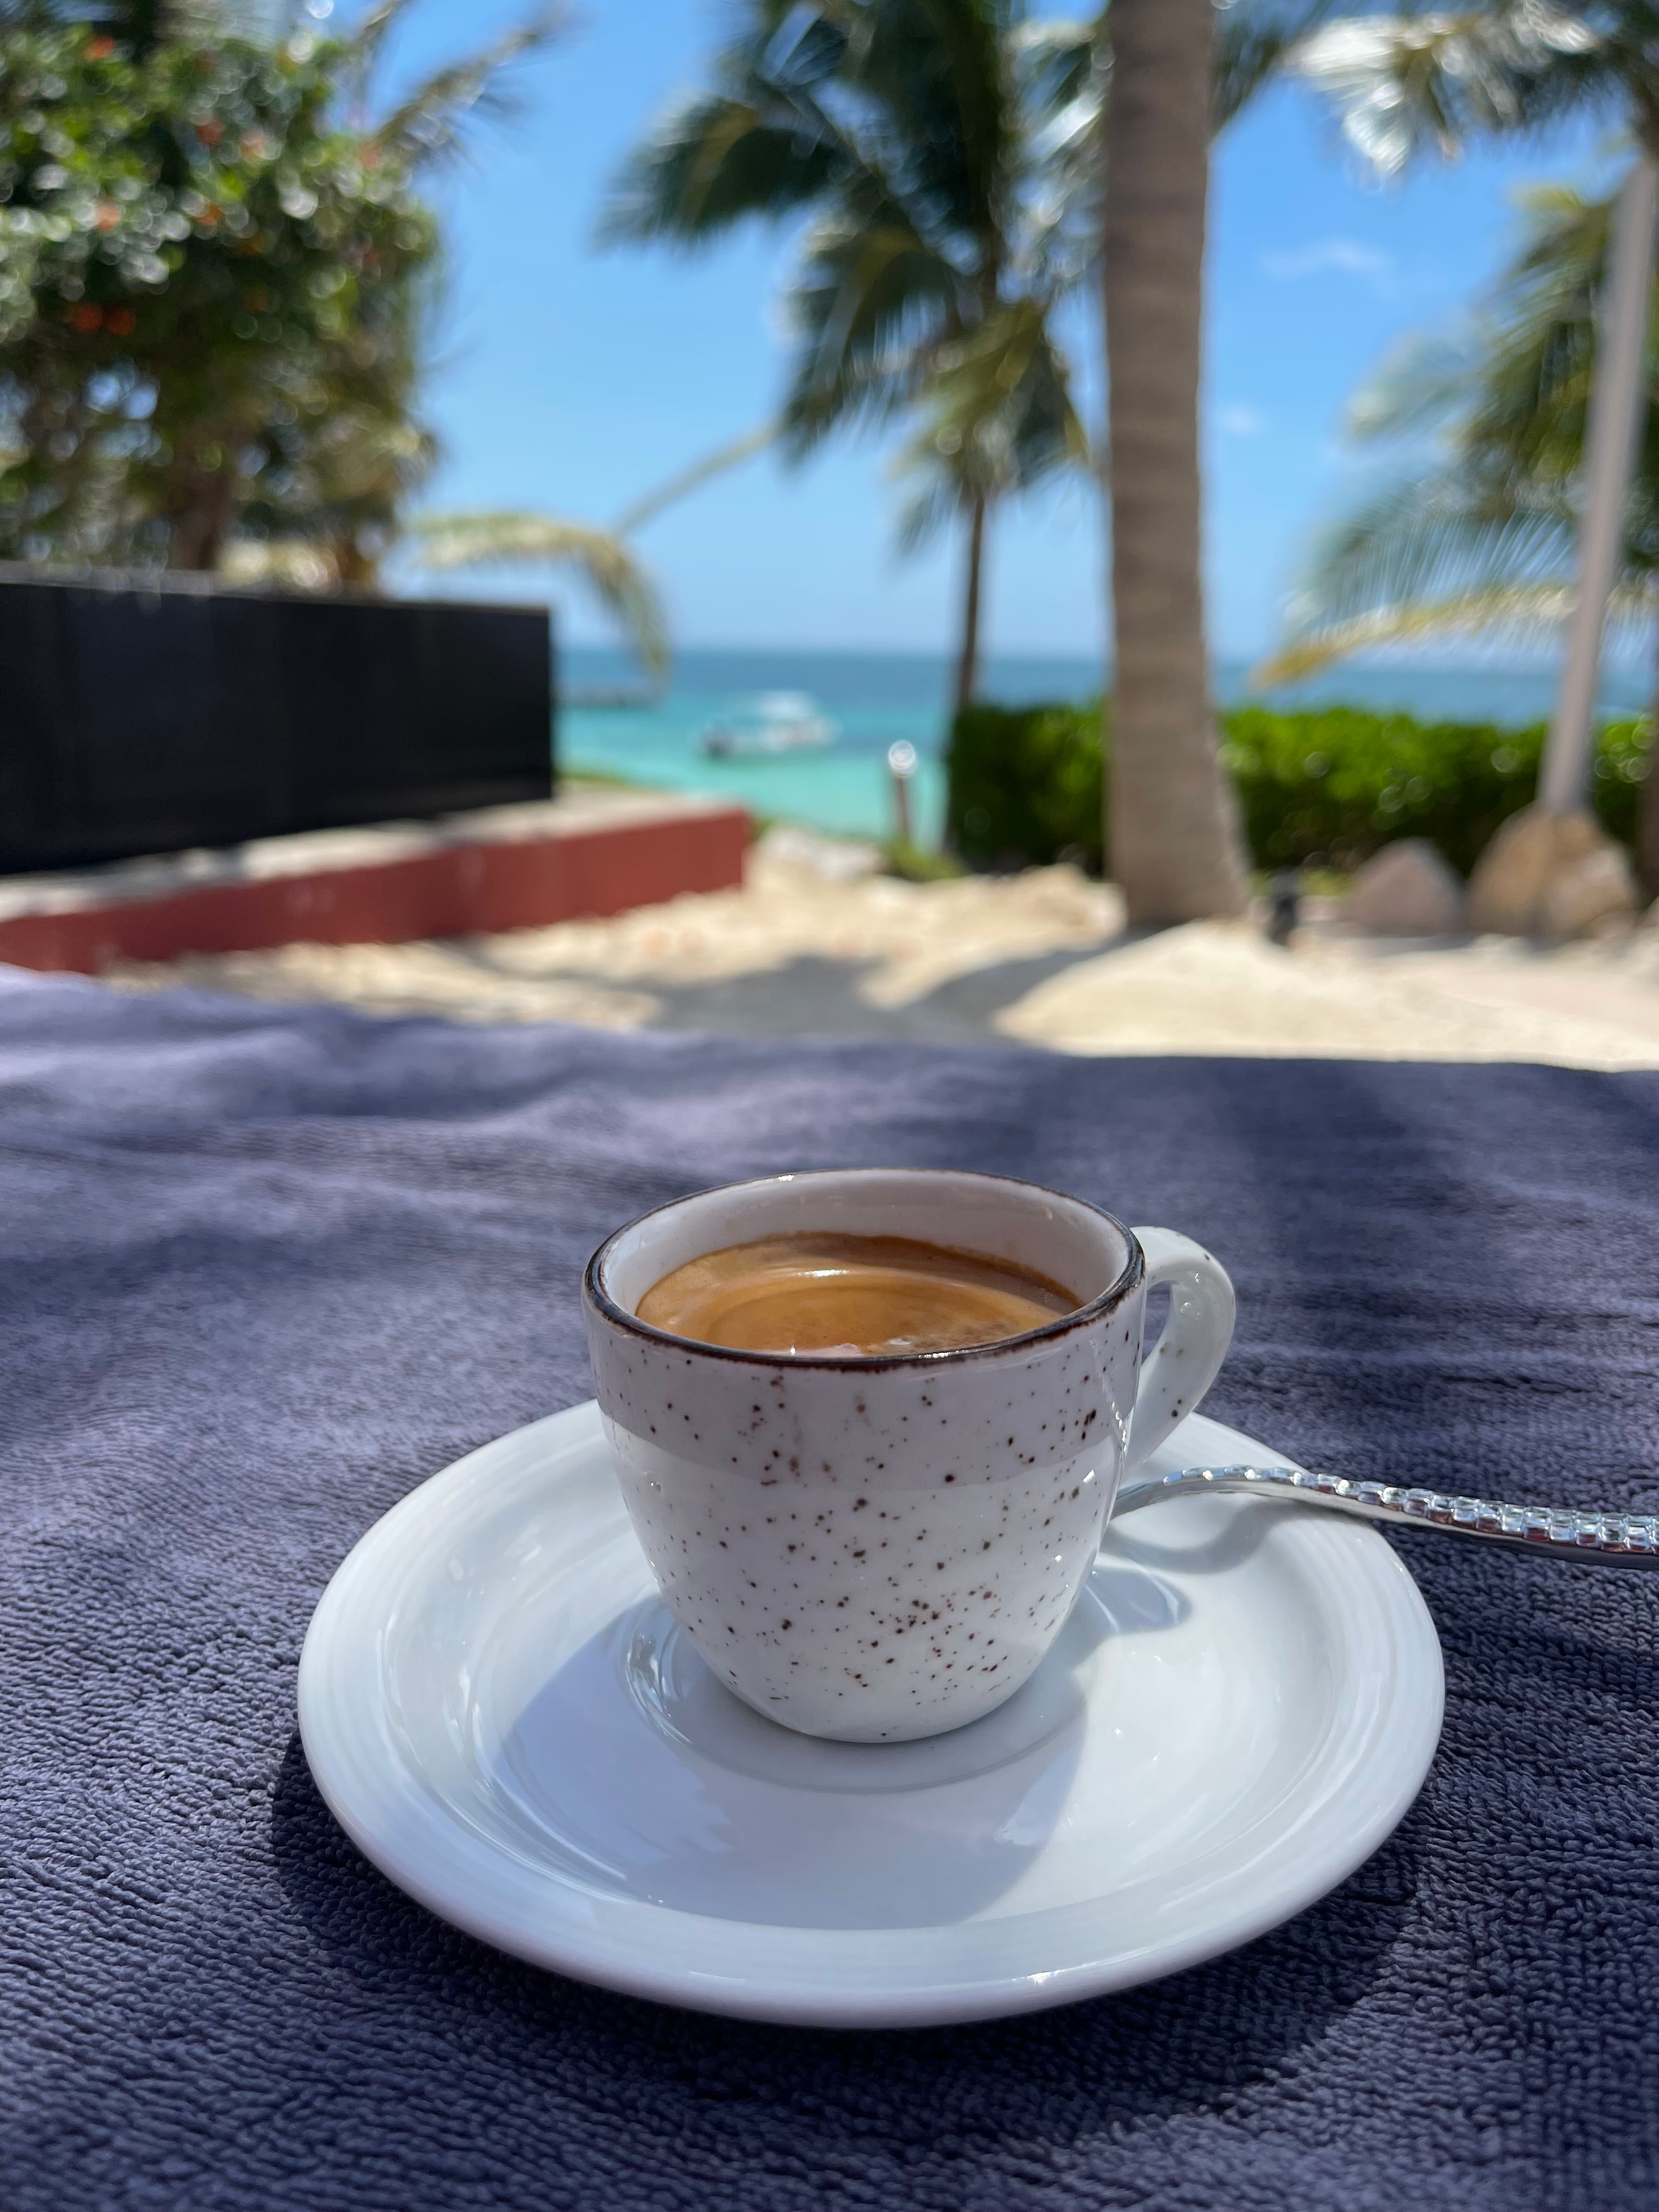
point(875, 698)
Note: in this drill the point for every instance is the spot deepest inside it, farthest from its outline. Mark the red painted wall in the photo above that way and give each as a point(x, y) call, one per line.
point(460, 891)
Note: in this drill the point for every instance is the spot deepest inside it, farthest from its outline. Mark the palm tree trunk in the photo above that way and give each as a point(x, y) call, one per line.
point(1176, 847)
point(1618, 403)
point(1647, 807)
point(967, 664)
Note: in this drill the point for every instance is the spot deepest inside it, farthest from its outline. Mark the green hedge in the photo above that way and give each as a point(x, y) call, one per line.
point(1327, 786)
point(1025, 787)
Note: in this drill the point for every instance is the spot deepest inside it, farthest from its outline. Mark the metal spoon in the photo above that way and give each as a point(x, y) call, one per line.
point(1598, 1539)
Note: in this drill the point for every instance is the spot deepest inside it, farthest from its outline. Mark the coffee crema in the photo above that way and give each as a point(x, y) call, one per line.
point(817, 1291)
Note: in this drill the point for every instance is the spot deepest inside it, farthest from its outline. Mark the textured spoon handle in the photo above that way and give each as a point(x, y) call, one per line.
point(1605, 1540)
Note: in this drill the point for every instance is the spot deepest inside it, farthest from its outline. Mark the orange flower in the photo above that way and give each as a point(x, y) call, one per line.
point(107, 217)
point(209, 132)
point(100, 49)
point(120, 321)
point(86, 316)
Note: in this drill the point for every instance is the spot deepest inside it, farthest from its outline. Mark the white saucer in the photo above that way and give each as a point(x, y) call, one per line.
point(508, 1721)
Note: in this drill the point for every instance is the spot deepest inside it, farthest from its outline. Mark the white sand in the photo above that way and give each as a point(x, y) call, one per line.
point(812, 946)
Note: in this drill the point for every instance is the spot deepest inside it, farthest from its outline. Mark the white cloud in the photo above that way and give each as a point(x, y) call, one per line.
point(1345, 256)
point(1239, 421)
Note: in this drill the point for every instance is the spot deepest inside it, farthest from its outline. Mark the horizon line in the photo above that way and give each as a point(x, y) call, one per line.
point(1400, 658)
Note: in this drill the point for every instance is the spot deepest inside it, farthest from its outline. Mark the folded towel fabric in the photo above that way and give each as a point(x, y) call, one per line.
point(267, 1269)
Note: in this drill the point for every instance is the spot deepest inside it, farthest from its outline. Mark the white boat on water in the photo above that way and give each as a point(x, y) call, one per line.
point(775, 722)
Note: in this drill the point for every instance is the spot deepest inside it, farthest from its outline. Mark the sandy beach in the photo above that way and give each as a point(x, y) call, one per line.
point(816, 943)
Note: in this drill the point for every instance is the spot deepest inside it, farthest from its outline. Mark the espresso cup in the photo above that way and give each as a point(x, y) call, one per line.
point(874, 1548)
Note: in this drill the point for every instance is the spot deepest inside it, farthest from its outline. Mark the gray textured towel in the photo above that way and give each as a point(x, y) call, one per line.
point(266, 1270)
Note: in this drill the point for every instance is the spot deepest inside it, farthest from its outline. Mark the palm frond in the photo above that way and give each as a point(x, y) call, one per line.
point(713, 160)
point(1422, 384)
point(1540, 340)
point(1060, 71)
point(1512, 386)
point(700, 473)
point(870, 301)
point(772, 134)
point(805, 46)
point(1521, 613)
point(935, 78)
point(904, 102)
point(1054, 58)
point(1510, 391)
point(927, 513)
point(999, 420)
point(430, 123)
point(368, 40)
point(515, 539)
point(1434, 537)
point(1407, 84)
point(1253, 40)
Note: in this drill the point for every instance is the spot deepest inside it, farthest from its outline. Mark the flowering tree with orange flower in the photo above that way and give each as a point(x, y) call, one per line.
point(214, 280)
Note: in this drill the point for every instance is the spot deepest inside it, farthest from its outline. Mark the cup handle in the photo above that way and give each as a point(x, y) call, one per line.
point(1185, 1361)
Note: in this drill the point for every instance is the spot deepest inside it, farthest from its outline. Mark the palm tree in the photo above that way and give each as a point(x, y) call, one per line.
point(1132, 100)
point(1483, 542)
point(997, 421)
point(1409, 84)
point(951, 153)
point(925, 279)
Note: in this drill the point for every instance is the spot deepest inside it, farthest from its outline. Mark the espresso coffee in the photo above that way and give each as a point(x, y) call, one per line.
point(825, 1293)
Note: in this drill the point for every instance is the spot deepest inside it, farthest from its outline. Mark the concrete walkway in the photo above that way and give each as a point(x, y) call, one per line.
point(817, 945)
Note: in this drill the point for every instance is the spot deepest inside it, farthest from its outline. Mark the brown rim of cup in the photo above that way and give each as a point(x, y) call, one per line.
point(1062, 1325)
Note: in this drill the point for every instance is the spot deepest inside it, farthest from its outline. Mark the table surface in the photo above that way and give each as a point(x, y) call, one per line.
point(267, 1269)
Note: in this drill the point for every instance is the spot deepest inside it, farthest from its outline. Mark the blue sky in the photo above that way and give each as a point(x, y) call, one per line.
point(574, 380)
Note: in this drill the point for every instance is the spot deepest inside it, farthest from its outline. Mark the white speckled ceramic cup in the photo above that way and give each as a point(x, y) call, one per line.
point(876, 1549)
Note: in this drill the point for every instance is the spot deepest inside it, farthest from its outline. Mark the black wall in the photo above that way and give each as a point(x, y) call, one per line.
point(150, 716)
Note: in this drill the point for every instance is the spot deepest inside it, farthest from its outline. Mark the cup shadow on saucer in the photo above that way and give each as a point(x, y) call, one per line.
point(633, 1765)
